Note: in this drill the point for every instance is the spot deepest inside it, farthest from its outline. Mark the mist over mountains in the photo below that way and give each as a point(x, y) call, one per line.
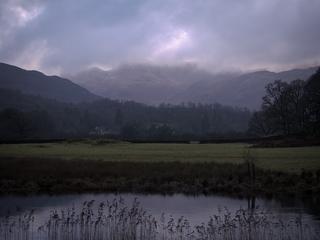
point(152, 84)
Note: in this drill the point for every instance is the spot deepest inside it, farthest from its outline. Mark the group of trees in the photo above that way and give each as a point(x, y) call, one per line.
point(289, 109)
point(133, 120)
point(25, 116)
point(15, 124)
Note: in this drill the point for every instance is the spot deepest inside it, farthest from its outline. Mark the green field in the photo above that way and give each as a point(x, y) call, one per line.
point(284, 159)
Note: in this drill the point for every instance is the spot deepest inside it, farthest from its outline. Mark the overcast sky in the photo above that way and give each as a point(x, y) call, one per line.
point(64, 36)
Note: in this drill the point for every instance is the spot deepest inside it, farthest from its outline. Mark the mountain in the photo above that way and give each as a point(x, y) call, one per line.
point(150, 84)
point(186, 83)
point(36, 83)
point(245, 90)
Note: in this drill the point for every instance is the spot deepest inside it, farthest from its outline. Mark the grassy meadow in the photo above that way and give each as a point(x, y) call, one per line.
point(280, 159)
point(84, 166)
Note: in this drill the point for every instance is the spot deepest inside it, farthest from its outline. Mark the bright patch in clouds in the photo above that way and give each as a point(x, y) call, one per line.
point(170, 44)
point(23, 16)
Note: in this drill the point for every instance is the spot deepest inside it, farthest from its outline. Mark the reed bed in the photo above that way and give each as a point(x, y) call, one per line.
point(114, 220)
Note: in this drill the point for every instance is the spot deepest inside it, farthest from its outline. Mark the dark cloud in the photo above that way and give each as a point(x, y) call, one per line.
point(66, 36)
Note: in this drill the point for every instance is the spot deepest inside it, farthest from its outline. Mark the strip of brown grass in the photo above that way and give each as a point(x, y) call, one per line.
point(24, 175)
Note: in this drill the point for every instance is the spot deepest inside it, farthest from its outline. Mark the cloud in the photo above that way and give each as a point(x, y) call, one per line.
point(168, 45)
point(14, 15)
point(22, 15)
point(67, 36)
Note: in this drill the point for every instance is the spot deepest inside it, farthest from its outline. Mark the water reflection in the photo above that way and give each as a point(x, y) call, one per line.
point(196, 208)
point(74, 216)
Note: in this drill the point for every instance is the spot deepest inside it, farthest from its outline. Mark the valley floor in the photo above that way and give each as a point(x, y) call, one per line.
point(280, 159)
point(157, 168)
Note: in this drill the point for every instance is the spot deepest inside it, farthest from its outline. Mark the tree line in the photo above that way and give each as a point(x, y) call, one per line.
point(25, 116)
point(289, 109)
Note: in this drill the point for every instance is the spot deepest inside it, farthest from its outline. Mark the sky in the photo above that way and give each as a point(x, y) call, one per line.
point(67, 36)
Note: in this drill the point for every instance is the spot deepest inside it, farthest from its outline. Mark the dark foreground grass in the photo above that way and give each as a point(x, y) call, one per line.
point(23, 175)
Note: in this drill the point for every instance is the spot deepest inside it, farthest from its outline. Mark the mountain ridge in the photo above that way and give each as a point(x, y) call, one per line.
point(166, 84)
point(36, 83)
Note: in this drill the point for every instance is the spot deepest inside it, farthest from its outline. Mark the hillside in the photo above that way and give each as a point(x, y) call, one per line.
point(15, 99)
point(36, 83)
point(186, 83)
point(29, 116)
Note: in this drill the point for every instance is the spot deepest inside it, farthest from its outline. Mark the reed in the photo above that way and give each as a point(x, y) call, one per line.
point(115, 220)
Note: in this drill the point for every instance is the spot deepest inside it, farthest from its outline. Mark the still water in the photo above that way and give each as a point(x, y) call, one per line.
point(301, 218)
point(197, 209)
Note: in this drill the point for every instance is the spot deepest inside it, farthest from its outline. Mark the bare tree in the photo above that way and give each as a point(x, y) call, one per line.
point(276, 105)
point(260, 125)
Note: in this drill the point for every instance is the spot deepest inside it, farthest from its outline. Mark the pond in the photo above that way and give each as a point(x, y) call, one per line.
point(196, 209)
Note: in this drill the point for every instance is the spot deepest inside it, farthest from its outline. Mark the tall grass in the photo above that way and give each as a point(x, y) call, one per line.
point(61, 176)
point(117, 221)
